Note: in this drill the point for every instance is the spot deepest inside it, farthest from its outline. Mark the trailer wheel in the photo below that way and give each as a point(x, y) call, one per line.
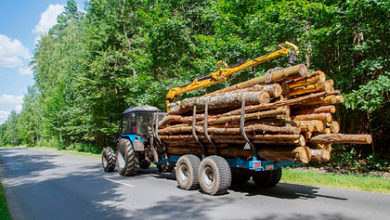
point(275, 177)
point(187, 172)
point(267, 178)
point(108, 159)
point(126, 158)
point(240, 176)
point(215, 176)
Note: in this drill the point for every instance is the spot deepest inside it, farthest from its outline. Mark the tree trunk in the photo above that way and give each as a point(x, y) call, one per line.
point(249, 129)
point(325, 117)
point(321, 109)
point(341, 139)
point(315, 77)
point(289, 102)
point(227, 100)
point(285, 153)
point(277, 76)
point(274, 90)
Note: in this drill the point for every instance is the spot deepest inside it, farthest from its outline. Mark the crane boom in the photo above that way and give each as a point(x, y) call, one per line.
point(222, 74)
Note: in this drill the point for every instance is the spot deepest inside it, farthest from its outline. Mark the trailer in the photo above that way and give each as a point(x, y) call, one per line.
point(139, 146)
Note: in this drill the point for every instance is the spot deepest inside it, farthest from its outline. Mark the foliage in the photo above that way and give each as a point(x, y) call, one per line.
point(4, 213)
point(93, 65)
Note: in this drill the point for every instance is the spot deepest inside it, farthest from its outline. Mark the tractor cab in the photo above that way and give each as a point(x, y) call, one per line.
point(137, 120)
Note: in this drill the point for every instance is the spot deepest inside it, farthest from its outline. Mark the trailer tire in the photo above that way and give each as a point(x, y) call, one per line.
point(276, 175)
point(108, 159)
point(240, 176)
point(126, 158)
point(267, 178)
point(187, 172)
point(215, 176)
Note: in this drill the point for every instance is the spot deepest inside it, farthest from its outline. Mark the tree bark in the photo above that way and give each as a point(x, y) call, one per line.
point(341, 139)
point(227, 100)
point(274, 90)
point(289, 102)
point(315, 77)
point(325, 117)
point(321, 109)
point(250, 129)
point(257, 115)
point(310, 88)
point(320, 155)
point(277, 76)
point(285, 153)
point(290, 139)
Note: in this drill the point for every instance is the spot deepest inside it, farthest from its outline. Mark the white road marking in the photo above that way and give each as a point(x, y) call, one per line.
point(129, 185)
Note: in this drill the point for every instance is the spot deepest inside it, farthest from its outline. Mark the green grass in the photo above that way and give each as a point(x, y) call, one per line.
point(69, 152)
point(4, 213)
point(346, 181)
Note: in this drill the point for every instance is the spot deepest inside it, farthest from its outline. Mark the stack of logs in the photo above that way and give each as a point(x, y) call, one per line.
point(286, 114)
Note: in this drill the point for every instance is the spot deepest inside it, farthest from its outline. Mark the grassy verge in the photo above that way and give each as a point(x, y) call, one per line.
point(352, 182)
point(69, 152)
point(4, 213)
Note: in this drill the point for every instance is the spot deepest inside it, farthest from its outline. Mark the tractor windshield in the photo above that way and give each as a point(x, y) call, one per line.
point(143, 121)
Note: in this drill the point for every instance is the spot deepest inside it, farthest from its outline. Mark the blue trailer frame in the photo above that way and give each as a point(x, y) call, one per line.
point(254, 164)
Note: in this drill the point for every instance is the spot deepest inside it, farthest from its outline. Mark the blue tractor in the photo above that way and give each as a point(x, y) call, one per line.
point(136, 144)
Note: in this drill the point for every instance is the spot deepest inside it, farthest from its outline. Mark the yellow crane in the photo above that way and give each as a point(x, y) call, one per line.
point(222, 74)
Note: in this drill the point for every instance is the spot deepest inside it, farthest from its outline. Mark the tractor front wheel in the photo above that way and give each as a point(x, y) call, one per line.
point(108, 159)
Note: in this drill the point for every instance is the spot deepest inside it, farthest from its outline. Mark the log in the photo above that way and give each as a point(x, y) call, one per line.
point(316, 125)
point(315, 77)
point(320, 155)
point(265, 121)
point(327, 147)
point(307, 134)
point(310, 88)
point(277, 76)
point(274, 90)
point(172, 119)
point(257, 115)
point(249, 129)
point(291, 139)
point(227, 100)
point(295, 154)
point(341, 139)
point(288, 102)
point(321, 109)
point(334, 127)
point(332, 99)
point(325, 117)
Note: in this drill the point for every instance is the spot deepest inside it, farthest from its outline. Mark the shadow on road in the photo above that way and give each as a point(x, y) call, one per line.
point(84, 191)
point(283, 191)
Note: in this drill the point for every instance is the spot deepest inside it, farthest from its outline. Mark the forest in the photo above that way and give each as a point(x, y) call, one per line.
point(97, 62)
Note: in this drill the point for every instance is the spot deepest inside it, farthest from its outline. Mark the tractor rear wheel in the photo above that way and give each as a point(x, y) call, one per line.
point(187, 172)
point(126, 158)
point(108, 159)
point(215, 176)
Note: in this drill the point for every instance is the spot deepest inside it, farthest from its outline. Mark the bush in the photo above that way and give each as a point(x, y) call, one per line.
point(83, 147)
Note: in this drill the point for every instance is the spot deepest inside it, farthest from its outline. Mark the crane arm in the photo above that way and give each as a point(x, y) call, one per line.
point(222, 74)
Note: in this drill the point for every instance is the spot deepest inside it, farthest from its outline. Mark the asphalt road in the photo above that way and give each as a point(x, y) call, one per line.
point(42, 185)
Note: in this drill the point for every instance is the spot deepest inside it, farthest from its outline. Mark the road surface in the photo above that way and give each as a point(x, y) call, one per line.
point(43, 185)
